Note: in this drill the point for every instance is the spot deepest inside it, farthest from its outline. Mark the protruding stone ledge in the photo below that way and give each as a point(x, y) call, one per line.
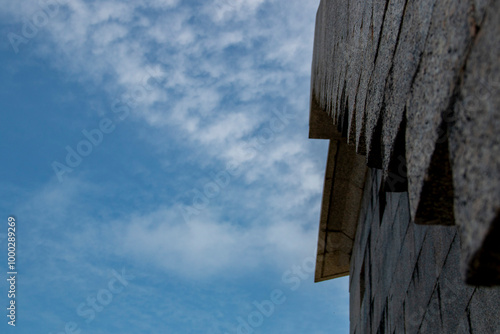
point(342, 196)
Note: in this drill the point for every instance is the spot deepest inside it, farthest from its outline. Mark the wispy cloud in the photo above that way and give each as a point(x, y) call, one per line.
point(219, 76)
point(207, 85)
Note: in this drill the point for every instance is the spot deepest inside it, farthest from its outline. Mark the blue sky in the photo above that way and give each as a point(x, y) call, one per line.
point(155, 156)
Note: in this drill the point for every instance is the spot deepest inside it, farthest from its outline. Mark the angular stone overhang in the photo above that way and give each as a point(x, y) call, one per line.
point(342, 194)
point(415, 87)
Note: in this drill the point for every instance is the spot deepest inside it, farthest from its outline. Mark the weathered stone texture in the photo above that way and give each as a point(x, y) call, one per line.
point(341, 205)
point(410, 281)
point(475, 150)
point(415, 85)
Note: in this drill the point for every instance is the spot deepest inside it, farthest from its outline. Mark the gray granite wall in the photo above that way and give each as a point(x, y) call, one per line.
point(405, 277)
point(417, 83)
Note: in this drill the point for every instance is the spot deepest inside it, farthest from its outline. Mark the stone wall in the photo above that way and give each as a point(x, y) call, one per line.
point(405, 277)
point(415, 86)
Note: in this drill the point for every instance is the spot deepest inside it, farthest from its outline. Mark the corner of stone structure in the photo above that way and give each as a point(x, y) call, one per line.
point(345, 177)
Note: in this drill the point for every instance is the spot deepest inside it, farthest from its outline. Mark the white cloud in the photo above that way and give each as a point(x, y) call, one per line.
point(105, 35)
point(222, 10)
point(219, 72)
point(201, 248)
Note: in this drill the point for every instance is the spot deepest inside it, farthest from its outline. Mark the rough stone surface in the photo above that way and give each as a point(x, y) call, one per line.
point(443, 58)
point(475, 151)
point(483, 310)
point(412, 284)
point(378, 82)
point(413, 35)
point(341, 205)
point(415, 85)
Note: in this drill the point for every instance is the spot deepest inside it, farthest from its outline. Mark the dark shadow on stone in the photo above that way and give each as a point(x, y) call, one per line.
point(338, 110)
point(436, 200)
point(345, 119)
point(375, 151)
point(320, 123)
point(352, 129)
point(361, 147)
point(382, 201)
point(362, 285)
point(484, 266)
point(396, 179)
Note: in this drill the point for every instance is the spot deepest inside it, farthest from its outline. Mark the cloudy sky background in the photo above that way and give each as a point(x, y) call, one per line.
point(205, 187)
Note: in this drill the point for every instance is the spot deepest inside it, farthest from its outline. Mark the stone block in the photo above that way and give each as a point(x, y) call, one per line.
point(484, 310)
point(354, 298)
point(364, 225)
point(378, 307)
point(403, 215)
point(366, 316)
point(421, 287)
point(444, 55)
point(454, 294)
point(388, 250)
point(392, 16)
point(399, 323)
point(431, 322)
point(419, 233)
point(368, 41)
point(353, 49)
point(475, 153)
point(395, 312)
point(414, 31)
point(375, 270)
point(442, 237)
point(406, 261)
point(463, 325)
